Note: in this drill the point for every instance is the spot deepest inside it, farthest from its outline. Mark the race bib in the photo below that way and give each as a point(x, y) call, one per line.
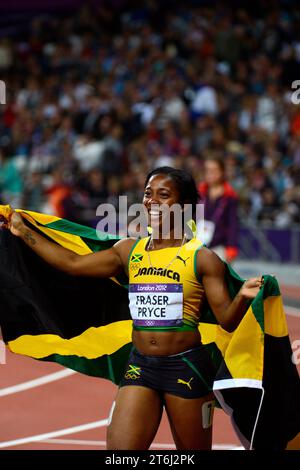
point(156, 304)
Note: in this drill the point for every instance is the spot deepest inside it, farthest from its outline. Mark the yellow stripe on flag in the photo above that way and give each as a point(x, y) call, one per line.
point(5, 211)
point(275, 319)
point(92, 343)
point(245, 359)
point(43, 219)
point(212, 333)
point(67, 240)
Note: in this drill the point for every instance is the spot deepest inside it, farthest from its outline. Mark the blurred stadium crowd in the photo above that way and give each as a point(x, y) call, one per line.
point(98, 97)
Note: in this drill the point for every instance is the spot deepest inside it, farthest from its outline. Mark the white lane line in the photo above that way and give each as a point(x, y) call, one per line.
point(227, 447)
point(49, 435)
point(45, 379)
point(154, 445)
point(293, 311)
point(157, 445)
point(75, 442)
point(100, 443)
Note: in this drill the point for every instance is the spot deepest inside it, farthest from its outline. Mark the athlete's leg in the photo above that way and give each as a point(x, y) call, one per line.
point(135, 418)
point(190, 421)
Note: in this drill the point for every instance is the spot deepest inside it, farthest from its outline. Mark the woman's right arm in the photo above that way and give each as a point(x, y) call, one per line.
point(229, 312)
point(104, 263)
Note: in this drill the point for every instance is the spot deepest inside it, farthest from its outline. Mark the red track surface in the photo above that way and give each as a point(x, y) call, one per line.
point(74, 401)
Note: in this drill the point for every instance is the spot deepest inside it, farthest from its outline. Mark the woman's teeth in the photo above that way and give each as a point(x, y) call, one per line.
point(154, 213)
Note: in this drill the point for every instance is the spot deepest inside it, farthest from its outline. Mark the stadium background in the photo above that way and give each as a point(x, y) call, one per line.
point(98, 93)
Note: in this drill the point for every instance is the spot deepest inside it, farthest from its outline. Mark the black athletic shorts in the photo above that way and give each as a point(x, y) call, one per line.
point(188, 375)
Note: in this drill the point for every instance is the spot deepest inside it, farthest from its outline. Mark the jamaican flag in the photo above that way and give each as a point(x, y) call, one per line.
point(84, 324)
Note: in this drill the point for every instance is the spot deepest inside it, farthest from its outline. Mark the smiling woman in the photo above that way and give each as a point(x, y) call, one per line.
point(170, 278)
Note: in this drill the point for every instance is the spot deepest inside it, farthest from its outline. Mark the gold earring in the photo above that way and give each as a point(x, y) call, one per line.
point(192, 226)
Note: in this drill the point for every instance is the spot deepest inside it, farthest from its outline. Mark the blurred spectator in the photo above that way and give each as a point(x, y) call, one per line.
point(220, 210)
point(61, 198)
point(11, 184)
point(88, 152)
point(34, 194)
point(205, 100)
point(270, 206)
point(6, 55)
point(101, 93)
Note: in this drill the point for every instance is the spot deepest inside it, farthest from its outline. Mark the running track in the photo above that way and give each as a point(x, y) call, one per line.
point(45, 406)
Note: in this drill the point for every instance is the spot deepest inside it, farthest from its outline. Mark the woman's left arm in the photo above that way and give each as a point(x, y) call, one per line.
point(228, 312)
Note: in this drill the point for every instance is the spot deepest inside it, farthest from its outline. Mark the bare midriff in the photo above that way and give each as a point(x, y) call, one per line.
point(165, 343)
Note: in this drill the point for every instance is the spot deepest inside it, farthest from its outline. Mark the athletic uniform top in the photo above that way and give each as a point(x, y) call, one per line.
point(164, 290)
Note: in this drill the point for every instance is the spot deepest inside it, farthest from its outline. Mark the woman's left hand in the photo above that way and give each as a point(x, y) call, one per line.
point(251, 287)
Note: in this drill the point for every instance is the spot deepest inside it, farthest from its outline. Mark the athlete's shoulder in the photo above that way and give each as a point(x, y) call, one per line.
point(123, 249)
point(125, 243)
point(124, 246)
point(206, 253)
point(194, 244)
point(208, 261)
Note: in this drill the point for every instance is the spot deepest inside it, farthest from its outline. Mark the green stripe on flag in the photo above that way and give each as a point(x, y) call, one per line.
point(270, 288)
point(108, 367)
point(82, 231)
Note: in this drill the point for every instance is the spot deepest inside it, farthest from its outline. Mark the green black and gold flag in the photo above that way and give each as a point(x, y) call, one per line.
point(81, 323)
point(84, 324)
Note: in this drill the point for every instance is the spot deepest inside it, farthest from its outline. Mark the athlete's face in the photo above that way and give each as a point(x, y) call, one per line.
point(160, 190)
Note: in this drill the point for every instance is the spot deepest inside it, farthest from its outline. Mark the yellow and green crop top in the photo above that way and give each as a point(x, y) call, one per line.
point(164, 290)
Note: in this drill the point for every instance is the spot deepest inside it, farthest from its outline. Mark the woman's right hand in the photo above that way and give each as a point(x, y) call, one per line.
point(16, 224)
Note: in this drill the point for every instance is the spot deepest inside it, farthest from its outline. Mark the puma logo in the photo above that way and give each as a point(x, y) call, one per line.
point(188, 384)
point(183, 260)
